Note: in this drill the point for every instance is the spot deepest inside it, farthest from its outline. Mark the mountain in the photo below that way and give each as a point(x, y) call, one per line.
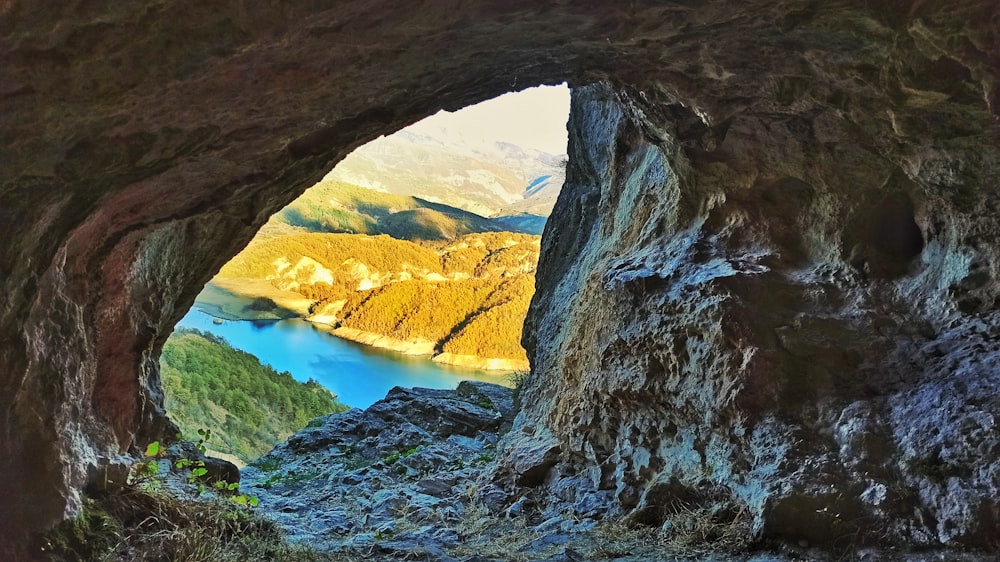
point(336, 206)
point(439, 165)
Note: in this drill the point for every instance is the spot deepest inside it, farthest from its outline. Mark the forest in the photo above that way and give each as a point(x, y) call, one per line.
point(248, 406)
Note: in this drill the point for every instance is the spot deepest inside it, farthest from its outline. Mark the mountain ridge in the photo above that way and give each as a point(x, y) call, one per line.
point(488, 178)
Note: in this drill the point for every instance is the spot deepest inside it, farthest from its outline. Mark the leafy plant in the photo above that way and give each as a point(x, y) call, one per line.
point(144, 472)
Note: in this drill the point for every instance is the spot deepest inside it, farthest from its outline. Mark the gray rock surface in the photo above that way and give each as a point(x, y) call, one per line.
point(400, 475)
point(737, 358)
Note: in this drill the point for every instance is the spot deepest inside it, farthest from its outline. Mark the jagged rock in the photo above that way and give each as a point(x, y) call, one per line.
point(825, 397)
point(219, 470)
point(376, 482)
point(773, 211)
point(488, 396)
point(439, 412)
point(534, 457)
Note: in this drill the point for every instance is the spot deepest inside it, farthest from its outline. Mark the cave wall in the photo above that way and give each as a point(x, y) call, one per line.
point(784, 314)
point(724, 284)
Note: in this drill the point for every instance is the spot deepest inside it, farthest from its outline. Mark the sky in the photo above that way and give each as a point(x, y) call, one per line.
point(532, 118)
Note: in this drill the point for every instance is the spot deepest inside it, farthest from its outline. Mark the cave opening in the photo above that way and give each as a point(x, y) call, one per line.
point(410, 264)
point(140, 137)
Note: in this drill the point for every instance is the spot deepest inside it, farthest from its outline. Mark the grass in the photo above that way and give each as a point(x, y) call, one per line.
point(132, 523)
point(690, 532)
point(488, 536)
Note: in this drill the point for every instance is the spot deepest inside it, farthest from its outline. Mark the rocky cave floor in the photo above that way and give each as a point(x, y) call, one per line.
point(408, 479)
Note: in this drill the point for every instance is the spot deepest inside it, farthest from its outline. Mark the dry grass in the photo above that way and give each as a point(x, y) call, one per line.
point(488, 536)
point(136, 524)
point(693, 532)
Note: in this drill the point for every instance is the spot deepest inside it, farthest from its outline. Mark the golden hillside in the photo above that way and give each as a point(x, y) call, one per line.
point(463, 298)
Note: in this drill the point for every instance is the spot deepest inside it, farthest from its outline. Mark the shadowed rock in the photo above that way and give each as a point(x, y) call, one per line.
point(772, 268)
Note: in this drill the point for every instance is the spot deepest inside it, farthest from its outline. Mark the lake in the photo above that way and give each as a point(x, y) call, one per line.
point(358, 374)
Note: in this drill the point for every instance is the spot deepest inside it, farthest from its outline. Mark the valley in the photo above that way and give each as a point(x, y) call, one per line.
point(456, 289)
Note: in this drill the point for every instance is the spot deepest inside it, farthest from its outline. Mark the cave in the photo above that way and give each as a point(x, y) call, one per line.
point(769, 283)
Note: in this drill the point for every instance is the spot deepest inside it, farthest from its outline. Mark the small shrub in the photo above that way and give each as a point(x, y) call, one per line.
point(267, 464)
point(517, 381)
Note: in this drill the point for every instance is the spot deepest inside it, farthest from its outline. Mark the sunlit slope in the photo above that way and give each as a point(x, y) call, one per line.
point(465, 300)
point(336, 206)
point(295, 261)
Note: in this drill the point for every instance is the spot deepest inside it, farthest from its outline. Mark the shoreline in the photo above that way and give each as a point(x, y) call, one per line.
point(421, 348)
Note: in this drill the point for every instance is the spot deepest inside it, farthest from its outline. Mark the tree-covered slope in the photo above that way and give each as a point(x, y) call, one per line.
point(249, 406)
point(443, 293)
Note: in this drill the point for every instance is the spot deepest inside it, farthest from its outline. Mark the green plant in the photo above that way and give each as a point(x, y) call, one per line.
point(197, 470)
point(517, 381)
point(391, 459)
point(247, 406)
point(267, 464)
point(144, 472)
point(232, 489)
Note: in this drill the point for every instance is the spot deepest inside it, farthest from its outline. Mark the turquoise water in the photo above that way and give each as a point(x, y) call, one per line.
point(358, 374)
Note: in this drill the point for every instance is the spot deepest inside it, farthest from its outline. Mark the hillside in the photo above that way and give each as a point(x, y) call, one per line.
point(491, 179)
point(463, 302)
point(335, 206)
point(249, 407)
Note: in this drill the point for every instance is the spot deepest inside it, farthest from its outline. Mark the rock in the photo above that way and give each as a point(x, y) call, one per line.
point(532, 459)
point(436, 487)
point(488, 396)
point(518, 508)
point(436, 412)
point(363, 485)
point(551, 538)
point(336, 430)
point(219, 470)
point(729, 349)
point(773, 211)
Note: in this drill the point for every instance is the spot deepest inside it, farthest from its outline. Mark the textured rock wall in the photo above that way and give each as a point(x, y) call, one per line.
point(785, 312)
point(733, 283)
